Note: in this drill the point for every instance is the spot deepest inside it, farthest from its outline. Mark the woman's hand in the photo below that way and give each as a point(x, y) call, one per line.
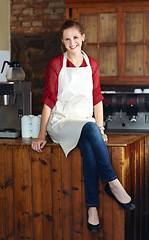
point(105, 137)
point(38, 145)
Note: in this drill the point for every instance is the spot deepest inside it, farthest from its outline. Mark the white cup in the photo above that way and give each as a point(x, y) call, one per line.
point(26, 126)
point(138, 90)
point(35, 126)
point(146, 90)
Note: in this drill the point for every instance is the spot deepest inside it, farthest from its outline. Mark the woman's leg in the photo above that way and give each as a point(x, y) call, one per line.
point(95, 157)
point(91, 181)
point(90, 172)
point(91, 141)
point(96, 160)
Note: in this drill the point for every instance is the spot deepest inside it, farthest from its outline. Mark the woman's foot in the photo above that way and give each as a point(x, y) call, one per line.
point(93, 216)
point(117, 192)
point(93, 224)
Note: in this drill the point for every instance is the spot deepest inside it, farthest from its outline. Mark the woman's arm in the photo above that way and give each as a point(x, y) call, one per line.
point(98, 112)
point(38, 144)
point(46, 112)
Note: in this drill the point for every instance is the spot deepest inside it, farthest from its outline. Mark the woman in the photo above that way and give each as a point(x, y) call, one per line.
point(72, 92)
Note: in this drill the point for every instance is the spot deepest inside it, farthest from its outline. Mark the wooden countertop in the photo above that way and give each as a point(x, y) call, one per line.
point(114, 139)
point(123, 139)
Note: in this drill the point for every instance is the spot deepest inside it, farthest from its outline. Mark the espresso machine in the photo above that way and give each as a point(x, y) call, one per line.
point(15, 101)
point(126, 112)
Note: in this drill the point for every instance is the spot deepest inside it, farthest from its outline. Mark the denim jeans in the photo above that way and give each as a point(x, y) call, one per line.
point(95, 162)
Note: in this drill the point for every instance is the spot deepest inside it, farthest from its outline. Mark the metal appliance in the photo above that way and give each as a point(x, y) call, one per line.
point(126, 112)
point(15, 101)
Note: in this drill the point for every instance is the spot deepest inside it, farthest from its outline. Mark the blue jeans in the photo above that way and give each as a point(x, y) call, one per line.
point(95, 162)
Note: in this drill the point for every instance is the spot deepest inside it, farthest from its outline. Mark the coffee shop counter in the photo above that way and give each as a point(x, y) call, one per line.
point(42, 195)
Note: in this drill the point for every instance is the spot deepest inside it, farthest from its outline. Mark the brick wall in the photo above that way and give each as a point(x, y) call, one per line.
point(34, 16)
point(35, 39)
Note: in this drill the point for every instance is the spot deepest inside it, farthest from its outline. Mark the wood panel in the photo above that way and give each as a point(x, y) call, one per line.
point(134, 27)
point(56, 186)
point(108, 61)
point(37, 196)
point(77, 205)
point(66, 196)
point(127, 184)
point(134, 60)
point(9, 188)
point(18, 194)
point(147, 61)
point(108, 28)
point(2, 196)
point(27, 192)
point(47, 192)
point(146, 215)
point(91, 51)
point(90, 23)
point(42, 195)
point(117, 213)
point(108, 208)
point(147, 27)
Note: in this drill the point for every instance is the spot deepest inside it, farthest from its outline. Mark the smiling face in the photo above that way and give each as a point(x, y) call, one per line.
point(72, 39)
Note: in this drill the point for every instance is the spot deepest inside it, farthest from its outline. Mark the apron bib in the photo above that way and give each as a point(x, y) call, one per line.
point(74, 106)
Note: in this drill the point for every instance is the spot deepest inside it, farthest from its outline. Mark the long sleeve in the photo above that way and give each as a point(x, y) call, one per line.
point(97, 96)
point(51, 82)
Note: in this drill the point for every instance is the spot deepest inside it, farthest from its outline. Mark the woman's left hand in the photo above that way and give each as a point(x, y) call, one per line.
point(105, 137)
point(38, 145)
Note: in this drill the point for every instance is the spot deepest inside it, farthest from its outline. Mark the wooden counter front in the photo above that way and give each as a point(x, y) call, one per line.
point(42, 195)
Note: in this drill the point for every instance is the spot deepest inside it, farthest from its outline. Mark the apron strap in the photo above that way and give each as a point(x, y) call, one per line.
point(65, 59)
point(85, 57)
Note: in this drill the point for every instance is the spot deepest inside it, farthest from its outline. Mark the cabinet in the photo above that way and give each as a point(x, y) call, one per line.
point(42, 194)
point(117, 36)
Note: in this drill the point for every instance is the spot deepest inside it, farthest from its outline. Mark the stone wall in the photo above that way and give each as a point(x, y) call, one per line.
point(35, 39)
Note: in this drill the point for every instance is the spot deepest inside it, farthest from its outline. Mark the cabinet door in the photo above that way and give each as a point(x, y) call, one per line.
point(90, 23)
point(118, 39)
point(136, 43)
point(147, 43)
point(101, 39)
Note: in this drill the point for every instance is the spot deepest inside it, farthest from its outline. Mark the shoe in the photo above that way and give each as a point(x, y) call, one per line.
point(91, 227)
point(128, 206)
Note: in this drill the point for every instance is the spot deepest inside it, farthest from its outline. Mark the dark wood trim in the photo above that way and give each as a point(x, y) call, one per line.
point(103, 1)
point(105, 4)
point(127, 80)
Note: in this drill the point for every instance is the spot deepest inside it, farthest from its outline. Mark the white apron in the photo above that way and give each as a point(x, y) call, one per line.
point(74, 106)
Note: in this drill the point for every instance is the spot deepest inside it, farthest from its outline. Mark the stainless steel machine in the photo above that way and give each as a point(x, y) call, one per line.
point(126, 112)
point(15, 101)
